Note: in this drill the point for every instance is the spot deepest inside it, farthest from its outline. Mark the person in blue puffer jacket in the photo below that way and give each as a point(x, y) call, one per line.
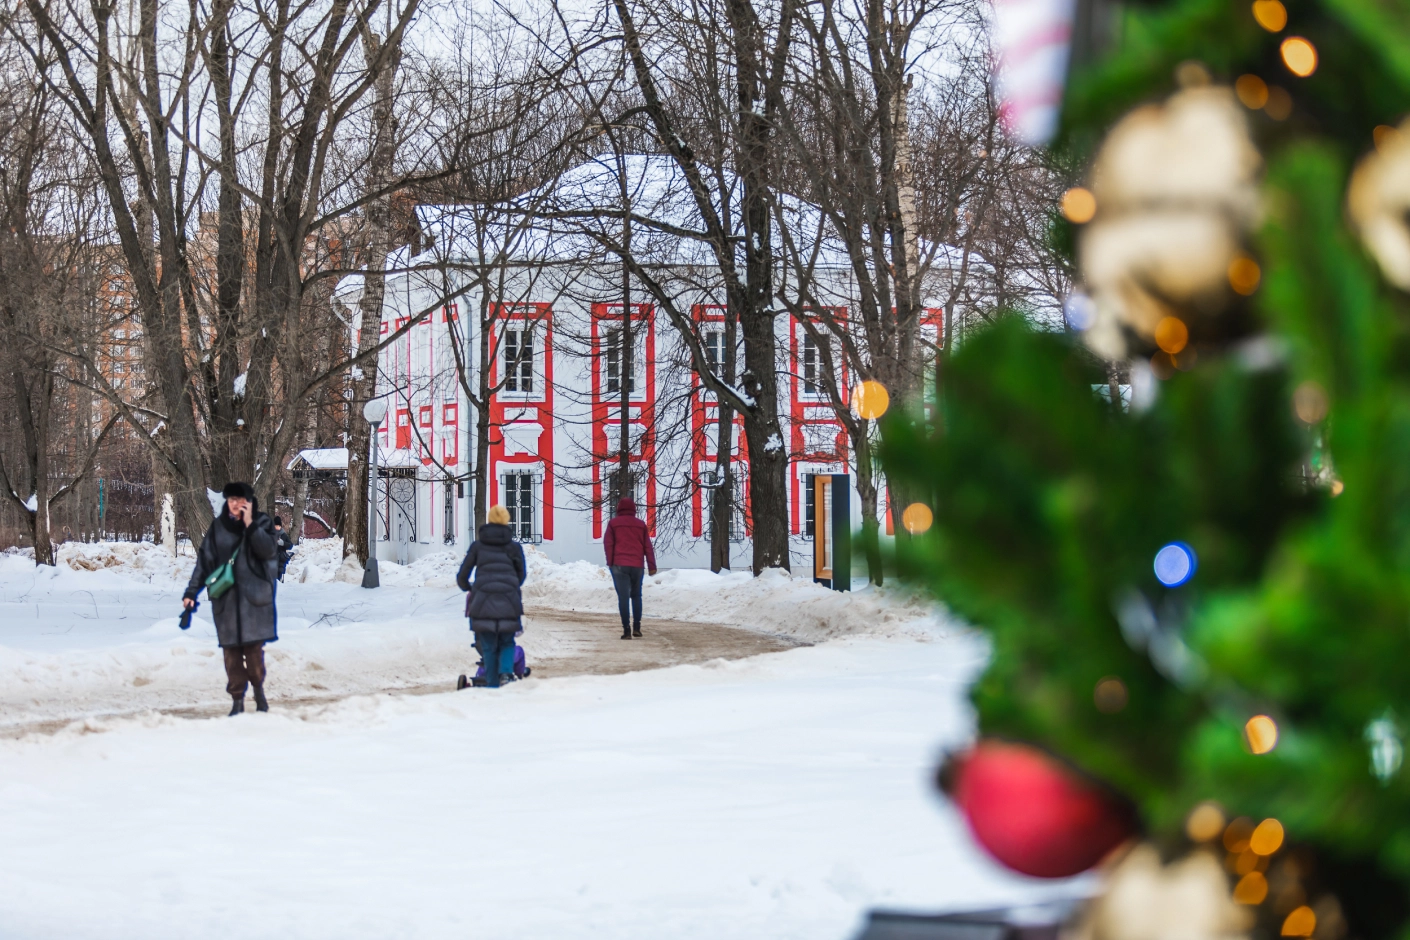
point(496, 605)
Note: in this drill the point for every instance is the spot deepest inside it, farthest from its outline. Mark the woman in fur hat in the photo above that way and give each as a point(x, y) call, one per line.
point(245, 618)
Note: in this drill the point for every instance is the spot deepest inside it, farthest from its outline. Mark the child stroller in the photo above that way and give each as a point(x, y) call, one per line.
point(521, 671)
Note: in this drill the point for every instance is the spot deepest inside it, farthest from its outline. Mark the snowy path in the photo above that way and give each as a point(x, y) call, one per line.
point(557, 643)
point(778, 797)
point(78, 643)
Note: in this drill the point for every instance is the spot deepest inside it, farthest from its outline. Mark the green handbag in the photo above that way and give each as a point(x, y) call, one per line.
point(223, 578)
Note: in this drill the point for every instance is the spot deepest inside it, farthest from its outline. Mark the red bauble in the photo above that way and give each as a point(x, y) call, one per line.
point(1035, 814)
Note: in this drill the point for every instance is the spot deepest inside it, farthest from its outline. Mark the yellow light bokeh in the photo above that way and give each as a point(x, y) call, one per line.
point(1302, 922)
point(1300, 56)
point(1262, 734)
point(1337, 488)
point(1267, 837)
point(1383, 133)
point(1205, 822)
point(1270, 14)
point(1310, 402)
point(1247, 861)
point(917, 518)
point(1110, 695)
point(1280, 103)
point(870, 399)
point(1244, 275)
point(1251, 889)
point(1171, 335)
point(1252, 91)
point(1079, 205)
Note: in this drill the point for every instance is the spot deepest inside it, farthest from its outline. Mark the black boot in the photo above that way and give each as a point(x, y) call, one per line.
point(636, 630)
point(626, 633)
point(237, 706)
point(261, 704)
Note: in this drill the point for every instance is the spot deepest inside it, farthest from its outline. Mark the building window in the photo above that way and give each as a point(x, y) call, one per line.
point(734, 514)
point(118, 367)
point(519, 500)
point(615, 489)
point(810, 366)
point(448, 526)
point(613, 364)
point(518, 360)
point(714, 350)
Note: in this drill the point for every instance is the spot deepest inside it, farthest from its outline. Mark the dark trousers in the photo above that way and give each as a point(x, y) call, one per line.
point(627, 581)
point(497, 653)
point(243, 665)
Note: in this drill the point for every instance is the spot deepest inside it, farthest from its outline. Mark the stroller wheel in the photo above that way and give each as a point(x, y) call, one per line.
point(461, 683)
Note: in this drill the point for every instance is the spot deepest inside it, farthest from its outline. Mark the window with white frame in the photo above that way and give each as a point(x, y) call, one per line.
point(519, 488)
point(733, 510)
point(810, 366)
point(612, 360)
point(714, 350)
point(519, 359)
point(616, 489)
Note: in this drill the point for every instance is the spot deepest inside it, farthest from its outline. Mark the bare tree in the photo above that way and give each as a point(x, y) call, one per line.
point(737, 52)
point(48, 279)
point(220, 302)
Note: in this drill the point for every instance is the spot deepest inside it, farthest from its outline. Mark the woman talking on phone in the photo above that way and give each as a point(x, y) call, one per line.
point(238, 566)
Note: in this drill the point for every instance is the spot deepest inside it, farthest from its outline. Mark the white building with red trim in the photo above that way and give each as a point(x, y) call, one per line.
point(532, 302)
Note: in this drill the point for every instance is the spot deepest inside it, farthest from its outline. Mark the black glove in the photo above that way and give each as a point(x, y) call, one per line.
point(186, 615)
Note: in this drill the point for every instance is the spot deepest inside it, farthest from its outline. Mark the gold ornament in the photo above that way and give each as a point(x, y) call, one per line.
point(1144, 900)
point(1378, 202)
point(1175, 187)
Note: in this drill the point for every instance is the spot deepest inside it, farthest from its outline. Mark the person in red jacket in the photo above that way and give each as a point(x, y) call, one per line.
point(628, 544)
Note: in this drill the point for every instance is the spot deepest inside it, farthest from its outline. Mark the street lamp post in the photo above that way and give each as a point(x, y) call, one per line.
point(374, 411)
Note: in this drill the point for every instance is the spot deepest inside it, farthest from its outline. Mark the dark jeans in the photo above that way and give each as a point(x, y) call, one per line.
point(627, 581)
point(243, 665)
point(497, 653)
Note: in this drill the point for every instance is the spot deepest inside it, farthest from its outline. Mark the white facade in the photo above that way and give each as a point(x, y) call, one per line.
point(553, 311)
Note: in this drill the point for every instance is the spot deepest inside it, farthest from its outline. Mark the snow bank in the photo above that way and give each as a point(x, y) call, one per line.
point(143, 561)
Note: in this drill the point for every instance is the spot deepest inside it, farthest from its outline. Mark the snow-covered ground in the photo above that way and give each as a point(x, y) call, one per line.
point(776, 796)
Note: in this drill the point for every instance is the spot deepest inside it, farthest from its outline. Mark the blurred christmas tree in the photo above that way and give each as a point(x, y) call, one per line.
point(1243, 246)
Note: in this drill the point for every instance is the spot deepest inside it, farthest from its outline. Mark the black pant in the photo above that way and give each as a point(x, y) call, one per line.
point(627, 581)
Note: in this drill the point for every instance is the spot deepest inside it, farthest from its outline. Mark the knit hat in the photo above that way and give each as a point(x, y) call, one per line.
point(499, 515)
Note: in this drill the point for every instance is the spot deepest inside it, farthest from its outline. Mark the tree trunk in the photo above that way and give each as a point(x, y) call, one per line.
point(723, 498)
point(624, 373)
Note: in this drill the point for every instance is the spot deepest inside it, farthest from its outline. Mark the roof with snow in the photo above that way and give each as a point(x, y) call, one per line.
point(577, 215)
point(323, 458)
